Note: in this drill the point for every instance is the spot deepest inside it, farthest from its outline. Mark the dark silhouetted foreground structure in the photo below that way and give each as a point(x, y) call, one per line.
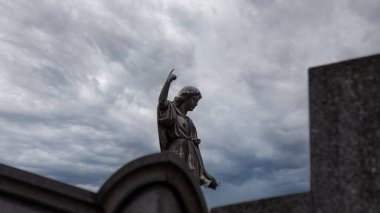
point(345, 163)
point(151, 184)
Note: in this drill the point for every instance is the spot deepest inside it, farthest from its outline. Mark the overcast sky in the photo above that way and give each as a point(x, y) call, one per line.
point(79, 82)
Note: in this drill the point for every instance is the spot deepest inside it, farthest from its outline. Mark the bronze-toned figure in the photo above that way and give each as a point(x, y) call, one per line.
point(176, 131)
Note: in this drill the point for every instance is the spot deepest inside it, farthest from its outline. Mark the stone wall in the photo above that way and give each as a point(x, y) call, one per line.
point(296, 203)
point(25, 192)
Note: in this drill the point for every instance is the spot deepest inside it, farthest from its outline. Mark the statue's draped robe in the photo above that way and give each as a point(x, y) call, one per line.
point(177, 133)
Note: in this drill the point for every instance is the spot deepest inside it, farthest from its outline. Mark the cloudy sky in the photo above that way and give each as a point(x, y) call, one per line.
point(79, 82)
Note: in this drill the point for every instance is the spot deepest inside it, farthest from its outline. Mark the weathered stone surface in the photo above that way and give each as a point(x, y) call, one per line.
point(151, 198)
point(296, 203)
point(345, 136)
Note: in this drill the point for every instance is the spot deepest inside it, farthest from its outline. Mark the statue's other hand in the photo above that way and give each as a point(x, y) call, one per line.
point(171, 76)
point(213, 184)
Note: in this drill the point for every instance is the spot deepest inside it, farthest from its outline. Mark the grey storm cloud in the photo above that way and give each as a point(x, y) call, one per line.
point(79, 83)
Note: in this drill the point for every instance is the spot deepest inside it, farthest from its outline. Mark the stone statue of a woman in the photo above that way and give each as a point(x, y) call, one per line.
point(177, 132)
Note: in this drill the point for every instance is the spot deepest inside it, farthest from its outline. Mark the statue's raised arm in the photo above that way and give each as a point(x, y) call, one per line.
point(177, 132)
point(162, 100)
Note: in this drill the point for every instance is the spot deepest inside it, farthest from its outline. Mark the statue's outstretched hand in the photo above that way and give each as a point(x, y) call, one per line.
point(213, 183)
point(171, 77)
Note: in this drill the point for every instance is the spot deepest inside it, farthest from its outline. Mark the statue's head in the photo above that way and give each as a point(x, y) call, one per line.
point(188, 95)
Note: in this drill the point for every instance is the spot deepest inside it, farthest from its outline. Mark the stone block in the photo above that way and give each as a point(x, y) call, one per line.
point(345, 136)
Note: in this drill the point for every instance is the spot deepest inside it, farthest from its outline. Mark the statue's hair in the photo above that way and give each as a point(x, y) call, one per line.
point(186, 93)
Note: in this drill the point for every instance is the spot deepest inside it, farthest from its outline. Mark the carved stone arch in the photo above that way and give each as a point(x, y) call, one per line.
point(154, 183)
